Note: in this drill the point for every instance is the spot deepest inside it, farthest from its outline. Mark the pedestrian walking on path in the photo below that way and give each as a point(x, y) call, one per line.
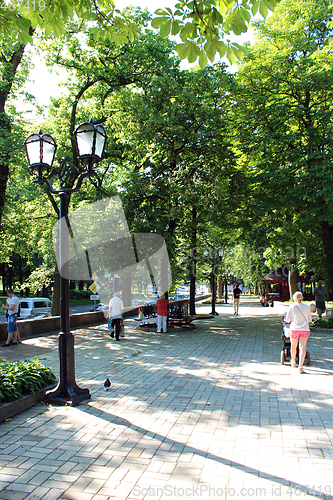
point(115, 314)
point(236, 294)
point(300, 316)
point(319, 293)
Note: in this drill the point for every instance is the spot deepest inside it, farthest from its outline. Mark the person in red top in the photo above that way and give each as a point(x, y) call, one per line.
point(162, 313)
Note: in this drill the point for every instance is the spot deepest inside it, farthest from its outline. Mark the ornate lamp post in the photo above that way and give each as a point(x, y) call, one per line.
point(40, 149)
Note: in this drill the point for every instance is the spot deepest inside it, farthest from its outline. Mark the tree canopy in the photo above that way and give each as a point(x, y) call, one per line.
point(284, 109)
point(202, 25)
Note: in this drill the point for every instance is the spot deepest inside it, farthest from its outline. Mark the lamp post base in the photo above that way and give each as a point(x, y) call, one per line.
point(67, 392)
point(66, 396)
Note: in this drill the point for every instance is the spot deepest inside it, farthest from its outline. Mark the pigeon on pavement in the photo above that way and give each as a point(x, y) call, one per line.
point(107, 384)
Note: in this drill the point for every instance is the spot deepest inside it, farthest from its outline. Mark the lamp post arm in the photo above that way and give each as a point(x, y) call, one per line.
point(68, 190)
point(87, 173)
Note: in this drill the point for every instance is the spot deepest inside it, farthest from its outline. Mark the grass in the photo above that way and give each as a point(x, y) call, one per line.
point(328, 304)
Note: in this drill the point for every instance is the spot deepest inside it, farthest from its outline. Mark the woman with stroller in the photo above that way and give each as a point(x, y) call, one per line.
point(300, 316)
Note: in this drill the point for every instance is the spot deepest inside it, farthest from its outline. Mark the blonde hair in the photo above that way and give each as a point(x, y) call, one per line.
point(298, 297)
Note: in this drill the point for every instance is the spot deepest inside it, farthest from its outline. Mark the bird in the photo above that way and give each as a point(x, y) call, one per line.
point(107, 384)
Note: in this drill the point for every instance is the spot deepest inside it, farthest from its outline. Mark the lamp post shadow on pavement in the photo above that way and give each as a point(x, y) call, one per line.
point(89, 142)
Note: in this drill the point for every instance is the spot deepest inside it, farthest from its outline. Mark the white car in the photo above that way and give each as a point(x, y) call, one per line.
point(35, 307)
point(100, 307)
point(178, 296)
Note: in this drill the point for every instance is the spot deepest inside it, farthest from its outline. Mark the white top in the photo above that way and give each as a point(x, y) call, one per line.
point(13, 301)
point(116, 307)
point(300, 317)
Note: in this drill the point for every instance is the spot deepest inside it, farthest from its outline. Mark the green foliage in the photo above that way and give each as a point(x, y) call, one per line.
point(203, 26)
point(79, 294)
point(23, 377)
point(284, 130)
point(19, 20)
point(322, 323)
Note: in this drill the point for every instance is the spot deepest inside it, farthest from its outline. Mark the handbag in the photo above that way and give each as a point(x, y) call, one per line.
point(122, 330)
point(111, 329)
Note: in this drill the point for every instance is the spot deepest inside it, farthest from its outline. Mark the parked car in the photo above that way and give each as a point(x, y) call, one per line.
point(100, 307)
point(138, 302)
point(178, 296)
point(35, 307)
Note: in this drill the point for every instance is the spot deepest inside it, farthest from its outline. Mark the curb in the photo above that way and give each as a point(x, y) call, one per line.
point(9, 410)
point(323, 330)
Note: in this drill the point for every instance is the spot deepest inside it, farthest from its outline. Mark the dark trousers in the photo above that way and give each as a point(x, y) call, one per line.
point(116, 322)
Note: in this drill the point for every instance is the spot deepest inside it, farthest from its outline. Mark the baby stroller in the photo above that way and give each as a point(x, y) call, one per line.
point(286, 344)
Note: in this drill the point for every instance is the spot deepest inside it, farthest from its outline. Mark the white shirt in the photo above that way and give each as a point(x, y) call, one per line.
point(300, 317)
point(13, 301)
point(116, 307)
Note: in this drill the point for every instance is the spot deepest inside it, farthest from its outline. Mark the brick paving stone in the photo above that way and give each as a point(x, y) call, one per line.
point(181, 412)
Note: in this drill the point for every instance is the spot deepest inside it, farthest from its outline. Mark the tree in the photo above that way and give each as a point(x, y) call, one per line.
point(111, 68)
point(181, 169)
point(19, 24)
point(284, 110)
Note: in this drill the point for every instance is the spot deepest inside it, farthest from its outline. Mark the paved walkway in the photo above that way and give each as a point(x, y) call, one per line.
point(209, 413)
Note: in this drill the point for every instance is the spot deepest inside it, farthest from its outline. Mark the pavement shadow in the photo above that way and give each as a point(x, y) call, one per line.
point(179, 446)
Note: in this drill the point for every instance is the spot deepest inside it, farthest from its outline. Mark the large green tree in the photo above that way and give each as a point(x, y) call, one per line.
point(182, 173)
point(284, 111)
point(20, 24)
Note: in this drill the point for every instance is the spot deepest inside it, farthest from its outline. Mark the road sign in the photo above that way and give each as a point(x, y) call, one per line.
point(94, 287)
point(94, 277)
point(94, 297)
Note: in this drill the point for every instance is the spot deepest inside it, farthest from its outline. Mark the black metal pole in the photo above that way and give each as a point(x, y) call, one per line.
point(226, 289)
point(214, 313)
point(67, 391)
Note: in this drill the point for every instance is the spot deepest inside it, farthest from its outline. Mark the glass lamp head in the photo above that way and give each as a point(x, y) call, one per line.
point(90, 142)
point(40, 150)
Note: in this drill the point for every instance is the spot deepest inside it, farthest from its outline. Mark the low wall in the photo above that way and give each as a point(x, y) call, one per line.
point(38, 327)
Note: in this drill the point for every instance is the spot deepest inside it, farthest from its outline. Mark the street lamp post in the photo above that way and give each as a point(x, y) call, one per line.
point(40, 149)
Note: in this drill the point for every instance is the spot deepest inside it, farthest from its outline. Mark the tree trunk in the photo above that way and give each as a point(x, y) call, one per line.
point(127, 289)
point(220, 287)
point(9, 65)
point(292, 280)
point(5, 146)
point(3, 276)
point(327, 239)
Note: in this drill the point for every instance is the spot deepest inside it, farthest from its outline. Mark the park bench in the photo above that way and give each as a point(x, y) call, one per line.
point(178, 314)
point(149, 316)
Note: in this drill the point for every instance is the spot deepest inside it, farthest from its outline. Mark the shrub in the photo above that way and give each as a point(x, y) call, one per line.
point(217, 301)
point(322, 323)
point(79, 294)
point(22, 377)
